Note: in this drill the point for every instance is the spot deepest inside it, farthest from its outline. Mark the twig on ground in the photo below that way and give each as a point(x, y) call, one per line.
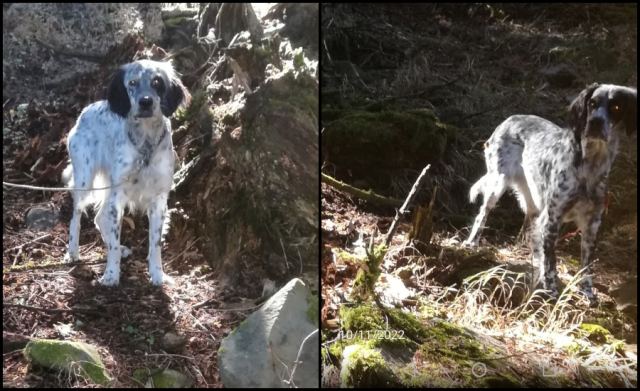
point(403, 208)
point(295, 364)
point(29, 242)
point(53, 310)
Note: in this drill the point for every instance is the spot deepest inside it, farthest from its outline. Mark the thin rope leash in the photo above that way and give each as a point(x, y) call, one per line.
point(60, 188)
point(142, 162)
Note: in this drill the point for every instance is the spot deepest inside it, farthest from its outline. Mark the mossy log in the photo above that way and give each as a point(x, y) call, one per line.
point(366, 195)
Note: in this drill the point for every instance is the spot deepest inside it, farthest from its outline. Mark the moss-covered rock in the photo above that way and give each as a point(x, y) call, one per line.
point(361, 318)
point(426, 352)
point(359, 139)
point(169, 378)
point(71, 357)
point(599, 335)
point(365, 367)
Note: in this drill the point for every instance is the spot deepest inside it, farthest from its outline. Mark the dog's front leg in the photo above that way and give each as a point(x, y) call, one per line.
point(156, 213)
point(108, 221)
point(589, 231)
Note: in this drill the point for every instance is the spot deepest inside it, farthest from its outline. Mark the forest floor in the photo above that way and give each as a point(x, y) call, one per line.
point(46, 298)
point(473, 66)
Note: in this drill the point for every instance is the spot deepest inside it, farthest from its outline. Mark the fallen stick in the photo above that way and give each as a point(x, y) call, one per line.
point(362, 194)
point(54, 310)
point(29, 242)
point(13, 341)
point(403, 208)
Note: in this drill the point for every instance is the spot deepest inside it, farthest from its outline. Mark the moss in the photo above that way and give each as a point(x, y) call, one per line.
point(198, 99)
point(67, 356)
point(428, 310)
point(298, 59)
point(409, 323)
point(367, 275)
point(175, 21)
point(365, 367)
point(361, 318)
point(357, 139)
point(336, 349)
point(346, 256)
point(141, 375)
point(169, 378)
point(595, 333)
point(578, 348)
point(600, 335)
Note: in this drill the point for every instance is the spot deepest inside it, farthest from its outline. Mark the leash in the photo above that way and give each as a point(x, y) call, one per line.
point(146, 152)
point(30, 187)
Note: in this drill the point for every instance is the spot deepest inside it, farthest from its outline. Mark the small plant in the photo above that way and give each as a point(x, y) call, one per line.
point(368, 273)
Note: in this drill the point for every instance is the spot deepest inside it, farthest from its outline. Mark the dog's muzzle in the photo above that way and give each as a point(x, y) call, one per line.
point(145, 107)
point(597, 128)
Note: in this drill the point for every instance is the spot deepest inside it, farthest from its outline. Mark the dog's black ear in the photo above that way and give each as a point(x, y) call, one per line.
point(117, 95)
point(578, 109)
point(176, 95)
point(630, 112)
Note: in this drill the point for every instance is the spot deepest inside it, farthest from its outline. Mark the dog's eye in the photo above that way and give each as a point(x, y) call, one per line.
point(615, 108)
point(133, 83)
point(592, 104)
point(156, 82)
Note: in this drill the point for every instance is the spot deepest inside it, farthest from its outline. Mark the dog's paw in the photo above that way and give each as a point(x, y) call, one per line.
point(109, 279)
point(469, 244)
point(69, 258)
point(125, 251)
point(158, 279)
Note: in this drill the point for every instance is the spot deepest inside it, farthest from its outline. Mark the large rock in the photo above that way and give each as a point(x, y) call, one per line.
point(89, 30)
point(254, 353)
point(68, 356)
point(41, 218)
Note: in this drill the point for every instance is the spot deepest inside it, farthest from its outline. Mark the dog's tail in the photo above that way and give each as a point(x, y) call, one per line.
point(476, 189)
point(67, 176)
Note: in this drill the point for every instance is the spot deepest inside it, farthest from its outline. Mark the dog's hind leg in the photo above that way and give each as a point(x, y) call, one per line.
point(527, 205)
point(81, 178)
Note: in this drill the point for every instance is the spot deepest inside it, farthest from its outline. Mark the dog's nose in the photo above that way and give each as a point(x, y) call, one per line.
point(596, 127)
point(145, 102)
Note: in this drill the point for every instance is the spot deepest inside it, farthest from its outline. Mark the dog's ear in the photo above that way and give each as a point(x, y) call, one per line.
point(630, 112)
point(175, 96)
point(117, 95)
point(578, 109)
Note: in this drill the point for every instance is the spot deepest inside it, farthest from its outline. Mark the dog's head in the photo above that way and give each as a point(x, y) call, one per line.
point(602, 109)
point(146, 88)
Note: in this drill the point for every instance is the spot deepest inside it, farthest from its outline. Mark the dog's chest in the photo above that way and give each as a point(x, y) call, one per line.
point(150, 176)
point(582, 208)
point(587, 201)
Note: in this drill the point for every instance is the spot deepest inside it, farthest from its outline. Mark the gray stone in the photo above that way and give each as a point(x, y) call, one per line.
point(256, 352)
point(173, 343)
point(41, 218)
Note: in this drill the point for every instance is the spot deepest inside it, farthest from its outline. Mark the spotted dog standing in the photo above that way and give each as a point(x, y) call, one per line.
point(558, 175)
point(125, 142)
